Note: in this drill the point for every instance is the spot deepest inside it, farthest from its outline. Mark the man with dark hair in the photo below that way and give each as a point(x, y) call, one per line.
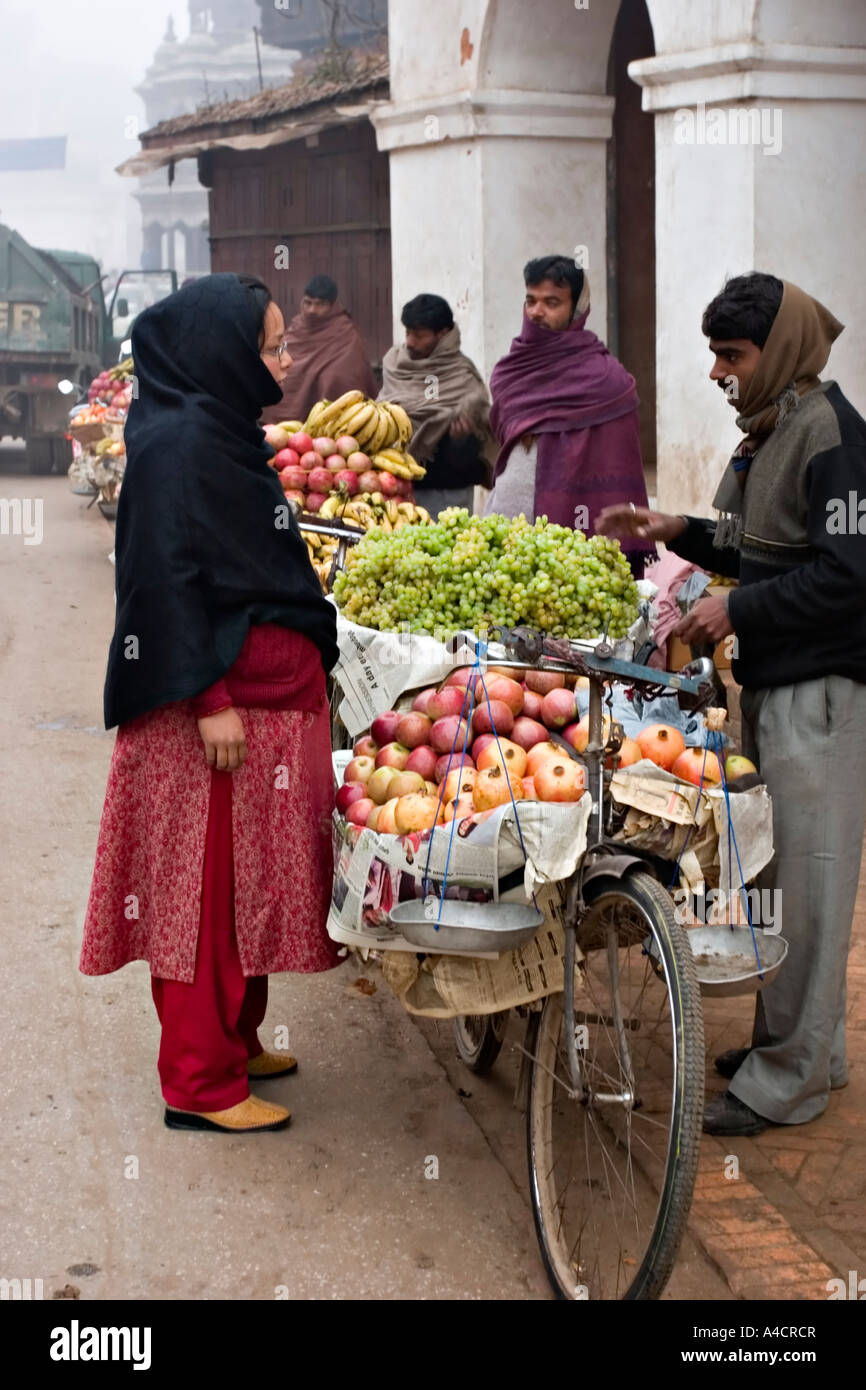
point(328, 354)
point(565, 413)
point(790, 529)
point(445, 398)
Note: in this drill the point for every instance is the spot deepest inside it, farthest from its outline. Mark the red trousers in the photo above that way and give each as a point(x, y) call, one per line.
point(210, 1028)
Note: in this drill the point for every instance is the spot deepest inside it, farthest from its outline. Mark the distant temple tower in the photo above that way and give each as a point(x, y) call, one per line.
point(216, 62)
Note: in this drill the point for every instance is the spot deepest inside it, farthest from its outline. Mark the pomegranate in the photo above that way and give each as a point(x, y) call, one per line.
point(494, 717)
point(529, 792)
point(417, 812)
point(579, 736)
point(544, 681)
point(359, 811)
point(532, 702)
point(431, 788)
point(460, 809)
point(310, 460)
point(690, 764)
point(449, 700)
point(300, 442)
point(405, 783)
point(346, 481)
point(540, 754)
point(528, 732)
point(662, 744)
point(422, 700)
point(458, 783)
point(293, 477)
point(494, 787)
point(558, 708)
point(365, 747)
point(369, 481)
point(384, 726)
point(324, 445)
point(559, 779)
point(360, 770)
point(414, 730)
point(335, 463)
point(388, 484)
point(314, 501)
point(504, 754)
point(423, 760)
point(449, 733)
point(379, 783)
point(349, 792)
point(387, 822)
point(320, 480)
point(346, 445)
point(393, 755)
point(628, 754)
point(286, 458)
point(293, 494)
point(359, 462)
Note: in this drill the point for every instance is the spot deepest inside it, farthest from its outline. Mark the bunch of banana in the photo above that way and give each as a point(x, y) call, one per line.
point(321, 550)
point(375, 424)
point(123, 370)
point(398, 462)
point(292, 426)
point(371, 509)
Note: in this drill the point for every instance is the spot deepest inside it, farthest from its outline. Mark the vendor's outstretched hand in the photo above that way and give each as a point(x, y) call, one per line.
point(707, 622)
point(625, 520)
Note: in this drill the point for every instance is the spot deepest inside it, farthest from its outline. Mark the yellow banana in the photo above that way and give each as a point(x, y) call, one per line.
point(338, 407)
point(311, 424)
point(357, 421)
point(392, 429)
point(406, 509)
point(396, 455)
point(378, 431)
point(402, 421)
point(422, 513)
point(366, 433)
point(293, 426)
point(329, 508)
point(418, 470)
point(391, 510)
point(387, 465)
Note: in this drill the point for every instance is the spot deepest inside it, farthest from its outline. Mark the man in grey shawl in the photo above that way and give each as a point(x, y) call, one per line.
point(792, 528)
point(446, 399)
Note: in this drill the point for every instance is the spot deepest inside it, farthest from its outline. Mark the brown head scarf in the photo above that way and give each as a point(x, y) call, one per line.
point(796, 350)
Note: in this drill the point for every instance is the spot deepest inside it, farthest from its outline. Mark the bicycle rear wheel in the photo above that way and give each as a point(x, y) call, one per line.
point(479, 1038)
point(612, 1172)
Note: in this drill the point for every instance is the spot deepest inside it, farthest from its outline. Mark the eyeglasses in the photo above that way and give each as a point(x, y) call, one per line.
point(278, 352)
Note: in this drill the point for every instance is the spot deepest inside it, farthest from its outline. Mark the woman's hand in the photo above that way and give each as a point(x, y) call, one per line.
point(626, 520)
point(224, 740)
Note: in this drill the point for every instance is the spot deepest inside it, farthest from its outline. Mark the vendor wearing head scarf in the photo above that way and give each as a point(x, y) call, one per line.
point(565, 413)
point(790, 528)
point(213, 862)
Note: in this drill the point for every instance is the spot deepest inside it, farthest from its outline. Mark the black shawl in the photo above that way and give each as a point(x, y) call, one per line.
point(205, 543)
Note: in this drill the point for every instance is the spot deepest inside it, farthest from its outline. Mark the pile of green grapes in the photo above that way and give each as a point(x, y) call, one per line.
point(477, 572)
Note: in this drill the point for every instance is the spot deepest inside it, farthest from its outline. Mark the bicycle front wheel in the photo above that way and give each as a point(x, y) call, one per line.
point(612, 1170)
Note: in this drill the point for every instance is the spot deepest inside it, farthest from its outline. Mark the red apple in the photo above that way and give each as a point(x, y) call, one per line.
point(310, 460)
point(544, 681)
point(414, 730)
point(384, 726)
point(423, 760)
point(527, 732)
point(448, 733)
point(320, 480)
point(422, 700)
point(393, 755)
point(558, 708)
point(349, 792)
point(504, 689)
point(449, 700)
point(300, 442)
point(480, 743)
point(359, 770)
point(494, 717)
point(359, 811)
point(365, 747)
point(346, 445)
point(324, 445)
point(464, 676)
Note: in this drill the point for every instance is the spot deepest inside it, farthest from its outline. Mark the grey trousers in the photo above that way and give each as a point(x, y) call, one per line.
point(809, 742)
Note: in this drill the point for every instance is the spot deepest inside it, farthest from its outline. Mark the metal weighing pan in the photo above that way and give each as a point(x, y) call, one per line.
point(725, 959)
point(466, 927)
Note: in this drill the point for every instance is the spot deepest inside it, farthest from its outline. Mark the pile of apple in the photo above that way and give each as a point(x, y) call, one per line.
point(312, 470)
point(411, 773)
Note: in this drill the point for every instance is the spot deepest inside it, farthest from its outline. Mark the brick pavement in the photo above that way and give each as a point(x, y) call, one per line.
point(796, 1215)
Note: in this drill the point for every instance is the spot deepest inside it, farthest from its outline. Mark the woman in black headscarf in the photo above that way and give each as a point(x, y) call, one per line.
point(214, 854)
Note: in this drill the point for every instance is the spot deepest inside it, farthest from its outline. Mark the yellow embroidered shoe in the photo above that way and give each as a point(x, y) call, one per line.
point(269, 1064)
point(244, 1118)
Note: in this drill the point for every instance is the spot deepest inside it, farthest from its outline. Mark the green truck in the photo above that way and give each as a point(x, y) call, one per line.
point(54, 327)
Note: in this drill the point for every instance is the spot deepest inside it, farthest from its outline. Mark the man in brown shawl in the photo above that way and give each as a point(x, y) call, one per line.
point(792, 528)
point(328, 355)
point(445, 398)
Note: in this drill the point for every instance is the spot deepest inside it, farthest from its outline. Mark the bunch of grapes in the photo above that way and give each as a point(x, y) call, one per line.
point(478, 572)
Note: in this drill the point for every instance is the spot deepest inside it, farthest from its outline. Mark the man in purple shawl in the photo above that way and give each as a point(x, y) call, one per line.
point(565, 413)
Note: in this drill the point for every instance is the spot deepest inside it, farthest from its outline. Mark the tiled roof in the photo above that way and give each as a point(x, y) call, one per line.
point(302, 92)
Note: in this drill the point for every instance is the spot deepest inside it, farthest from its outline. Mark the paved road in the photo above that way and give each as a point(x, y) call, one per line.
point(97, 1193)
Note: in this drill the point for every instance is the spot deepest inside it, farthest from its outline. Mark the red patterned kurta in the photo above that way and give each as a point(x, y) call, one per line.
point(145, 897)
